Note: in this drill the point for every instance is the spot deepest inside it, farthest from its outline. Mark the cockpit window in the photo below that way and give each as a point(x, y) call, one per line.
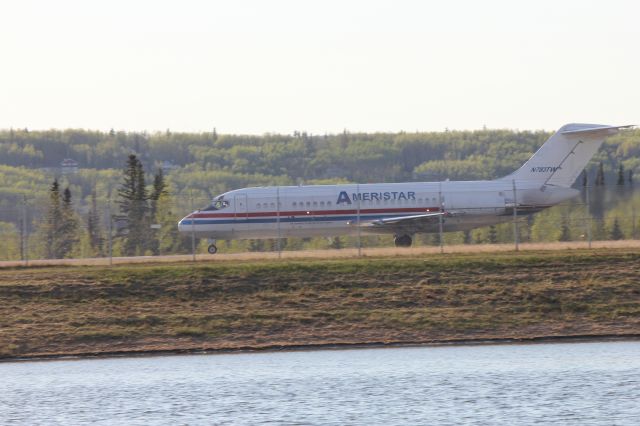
point(217, 205)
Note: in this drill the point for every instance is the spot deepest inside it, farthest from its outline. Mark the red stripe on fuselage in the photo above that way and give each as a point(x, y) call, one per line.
point(202, 215)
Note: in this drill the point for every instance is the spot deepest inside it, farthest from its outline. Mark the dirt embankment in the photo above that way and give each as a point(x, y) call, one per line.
point(295, 303)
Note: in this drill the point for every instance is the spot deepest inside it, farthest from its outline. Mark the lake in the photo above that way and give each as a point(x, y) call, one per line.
point(577, 383)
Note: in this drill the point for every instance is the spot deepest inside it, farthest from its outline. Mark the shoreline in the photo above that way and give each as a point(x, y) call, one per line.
point(586, 338)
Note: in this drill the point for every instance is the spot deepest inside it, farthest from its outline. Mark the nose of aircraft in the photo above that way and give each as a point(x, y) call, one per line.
point(186, 223)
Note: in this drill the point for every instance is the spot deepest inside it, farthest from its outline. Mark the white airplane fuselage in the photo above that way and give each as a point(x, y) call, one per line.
point(334, 210)
point(403, 209)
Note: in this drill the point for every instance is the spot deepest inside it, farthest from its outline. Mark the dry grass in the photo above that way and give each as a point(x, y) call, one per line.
point(215, 305)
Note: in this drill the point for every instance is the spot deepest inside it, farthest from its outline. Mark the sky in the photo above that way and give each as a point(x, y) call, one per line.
point(277, 66)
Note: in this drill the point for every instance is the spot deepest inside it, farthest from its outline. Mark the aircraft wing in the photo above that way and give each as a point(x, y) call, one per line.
point(415, 223)
point(406, 220)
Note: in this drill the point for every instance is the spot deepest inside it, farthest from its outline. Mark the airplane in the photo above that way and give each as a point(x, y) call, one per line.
point(402, 209)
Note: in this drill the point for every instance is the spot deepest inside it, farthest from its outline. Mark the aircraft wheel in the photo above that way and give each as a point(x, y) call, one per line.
point(212, 249)
point(403, 241)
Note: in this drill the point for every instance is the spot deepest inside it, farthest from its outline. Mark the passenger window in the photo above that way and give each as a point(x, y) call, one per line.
point(315, 204)
point(258, 205)
point(294, 204)
point(328, 203)
point(273, 205)
point(321, 203)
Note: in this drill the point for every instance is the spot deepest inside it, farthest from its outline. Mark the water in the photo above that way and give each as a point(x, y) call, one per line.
point(581, 384)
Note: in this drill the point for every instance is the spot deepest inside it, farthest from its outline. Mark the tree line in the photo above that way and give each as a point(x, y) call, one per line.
point(132, 227)
point(209, 163)
point(362, 157)
point(202, 165)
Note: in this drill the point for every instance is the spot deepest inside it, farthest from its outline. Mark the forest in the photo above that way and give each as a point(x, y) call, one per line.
point(198, 166)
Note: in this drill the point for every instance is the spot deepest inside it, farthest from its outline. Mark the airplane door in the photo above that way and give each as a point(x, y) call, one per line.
point(241, 210)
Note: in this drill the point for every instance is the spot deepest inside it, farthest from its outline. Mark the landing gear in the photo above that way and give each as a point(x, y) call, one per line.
point(212, 249)
point(402, 241)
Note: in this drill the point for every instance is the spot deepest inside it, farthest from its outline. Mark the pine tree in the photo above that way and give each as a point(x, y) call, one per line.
point(600, 175)
point(159, 189)
point(140, 237)
point(565, 233)
point(94, 229)
point(620, 175)
point(134, 205)
point(616, 232)
point(493, 235)
point(255, 245)
point(53, 222)
point(466, 237)
point(127, 191)
point(336, 243)
point(141, 186)
point(69, 225)
point(630, 177)
point(59, 229)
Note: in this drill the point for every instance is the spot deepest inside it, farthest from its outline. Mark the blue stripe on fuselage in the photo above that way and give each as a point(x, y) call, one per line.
point(283, 219)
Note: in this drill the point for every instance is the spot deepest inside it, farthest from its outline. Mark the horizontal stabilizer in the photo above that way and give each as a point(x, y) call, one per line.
point(595, 129)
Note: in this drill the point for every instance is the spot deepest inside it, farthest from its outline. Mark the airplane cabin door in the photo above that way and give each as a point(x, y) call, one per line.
point(241, 210)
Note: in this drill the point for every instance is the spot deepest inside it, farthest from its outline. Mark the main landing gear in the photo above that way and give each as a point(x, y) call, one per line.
point(402, 241)
point(212, 249)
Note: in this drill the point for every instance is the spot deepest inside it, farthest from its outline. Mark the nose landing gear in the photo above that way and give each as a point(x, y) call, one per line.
point(402, 241)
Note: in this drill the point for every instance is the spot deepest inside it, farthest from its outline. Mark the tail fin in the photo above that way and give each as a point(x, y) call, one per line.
point(564, 155)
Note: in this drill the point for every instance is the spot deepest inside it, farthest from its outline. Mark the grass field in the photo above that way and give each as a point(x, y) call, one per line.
point(244, 304)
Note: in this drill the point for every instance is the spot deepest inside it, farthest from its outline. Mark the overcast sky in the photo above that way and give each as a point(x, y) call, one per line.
point(323, 66)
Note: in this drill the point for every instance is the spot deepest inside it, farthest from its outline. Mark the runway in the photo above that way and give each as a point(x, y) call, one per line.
point(327, 254)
